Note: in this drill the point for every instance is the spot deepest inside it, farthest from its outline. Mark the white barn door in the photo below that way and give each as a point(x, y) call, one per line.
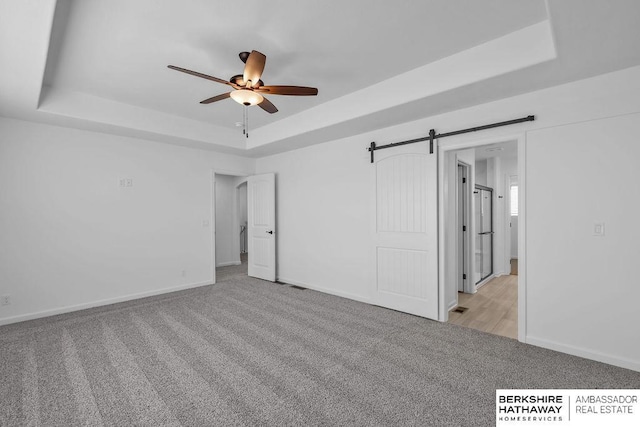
point(261, 218)
point(406, 225)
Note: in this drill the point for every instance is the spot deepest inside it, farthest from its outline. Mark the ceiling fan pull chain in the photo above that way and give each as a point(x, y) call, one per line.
point(246, 109)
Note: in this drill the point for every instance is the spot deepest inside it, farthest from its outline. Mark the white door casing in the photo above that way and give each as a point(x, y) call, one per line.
point(405, 235)
point(462, 199)
point(213, 227)
point(261, 209)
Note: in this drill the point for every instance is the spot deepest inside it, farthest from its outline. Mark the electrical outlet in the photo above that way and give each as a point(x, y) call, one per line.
point(5, 300)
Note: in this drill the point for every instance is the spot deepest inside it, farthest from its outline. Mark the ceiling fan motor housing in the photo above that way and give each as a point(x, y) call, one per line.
point(243, 56)
point(238, 80)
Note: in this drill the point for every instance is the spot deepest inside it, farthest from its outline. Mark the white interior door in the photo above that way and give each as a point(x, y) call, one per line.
point(261, 216)
point(406, 223)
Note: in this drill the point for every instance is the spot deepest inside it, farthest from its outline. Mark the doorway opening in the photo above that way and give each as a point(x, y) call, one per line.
point(231, 254)
point(482, 235)
point(244, 226)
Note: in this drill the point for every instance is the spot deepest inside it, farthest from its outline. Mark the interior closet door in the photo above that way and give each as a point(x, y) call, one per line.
point(405, 237)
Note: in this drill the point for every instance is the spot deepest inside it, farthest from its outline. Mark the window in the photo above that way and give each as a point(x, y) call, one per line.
point(514, 200)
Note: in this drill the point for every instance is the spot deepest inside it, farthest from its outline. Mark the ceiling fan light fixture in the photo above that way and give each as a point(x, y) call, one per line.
point(246, 97)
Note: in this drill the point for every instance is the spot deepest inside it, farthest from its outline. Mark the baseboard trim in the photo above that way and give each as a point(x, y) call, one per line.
point(99, 303)
point(347, 295)
point(485, 281)
point(584, 353)
point(226, 264)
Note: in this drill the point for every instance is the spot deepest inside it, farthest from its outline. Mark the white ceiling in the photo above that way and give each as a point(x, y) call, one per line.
point(502, 150)
point(119, 49)
point(101, 64)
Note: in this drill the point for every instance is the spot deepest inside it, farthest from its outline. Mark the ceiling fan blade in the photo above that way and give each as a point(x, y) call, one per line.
point(254, 67)
point(267, 106)
point(289, 90)
point(216, 98)
point(204, 76)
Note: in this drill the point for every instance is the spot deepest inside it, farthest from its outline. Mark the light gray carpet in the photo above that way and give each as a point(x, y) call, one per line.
point(249, 352)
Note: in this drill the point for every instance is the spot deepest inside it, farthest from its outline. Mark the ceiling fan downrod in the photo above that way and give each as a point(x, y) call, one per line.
point(245, 121)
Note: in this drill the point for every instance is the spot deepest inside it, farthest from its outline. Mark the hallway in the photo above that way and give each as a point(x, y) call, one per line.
point(230, 271)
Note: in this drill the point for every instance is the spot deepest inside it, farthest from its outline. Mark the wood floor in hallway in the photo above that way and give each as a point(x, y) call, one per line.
point(493, 309)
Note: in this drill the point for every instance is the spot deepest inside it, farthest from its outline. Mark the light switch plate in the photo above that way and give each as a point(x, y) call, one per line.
point(598, 228)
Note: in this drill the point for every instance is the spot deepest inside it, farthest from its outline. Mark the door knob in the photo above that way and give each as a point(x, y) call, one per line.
point(270, 232)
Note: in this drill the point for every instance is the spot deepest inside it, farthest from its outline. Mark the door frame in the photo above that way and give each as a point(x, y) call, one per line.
point(464, 265)
point(446, 229)
point(509, 181)
point(236, 217)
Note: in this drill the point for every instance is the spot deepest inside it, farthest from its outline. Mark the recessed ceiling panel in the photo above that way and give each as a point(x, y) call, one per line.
point(119, 49)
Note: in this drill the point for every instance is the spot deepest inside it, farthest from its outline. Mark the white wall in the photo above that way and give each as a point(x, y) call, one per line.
point(582, 288)
point(71, 237)
point(513, 237)
point(322, 209)
point(468, 157)
point(481, 172)
point(509, 165)
point(324, 217)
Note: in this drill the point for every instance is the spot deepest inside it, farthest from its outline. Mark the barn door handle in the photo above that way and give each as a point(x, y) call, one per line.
point(270, 232)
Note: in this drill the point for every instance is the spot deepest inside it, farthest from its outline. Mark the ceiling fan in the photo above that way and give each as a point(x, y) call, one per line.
point(248, 88)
